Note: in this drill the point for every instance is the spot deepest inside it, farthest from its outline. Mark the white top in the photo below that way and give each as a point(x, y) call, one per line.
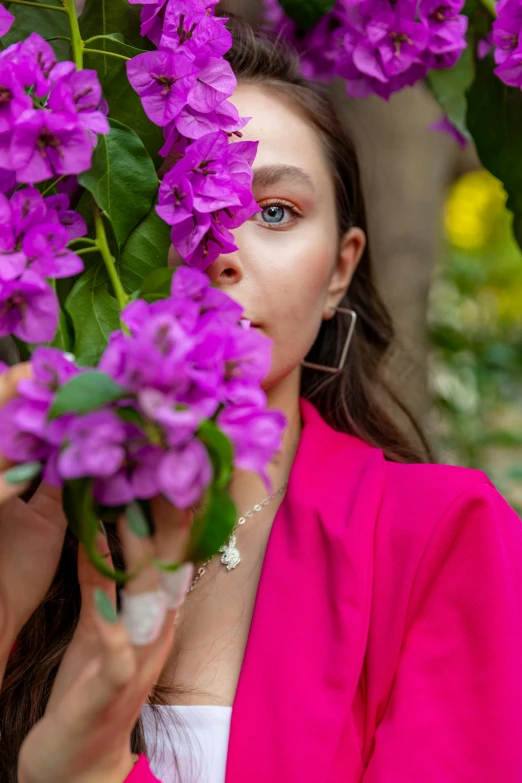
point(196, 736)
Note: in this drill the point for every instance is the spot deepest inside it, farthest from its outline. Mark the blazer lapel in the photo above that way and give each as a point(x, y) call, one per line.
point(291, 719)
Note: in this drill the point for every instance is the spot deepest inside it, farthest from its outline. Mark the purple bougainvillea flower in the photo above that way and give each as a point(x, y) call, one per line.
point(444, 125)
point(255, 434)
point(510, 69)
point(447, 29)
point(80, 93)
point(506, 31)
point(163, 81)
point(137, 477)
point(46, 143)
point(215, 83)
point(18, 442)
point(28, 209)
point(13, 99)
point(7, 234)
point(45, 248)
point(6, 21)
point(28, 309)
point(247, 355)
point(72, 221)
point(188, 25)
point(51, 370)
point(95, 446)
point(393, 44)
point(12, 264)
point(184, 474)
point(38, 66)
point(484, 46)
point(207, 192)
point(7, 181)
point(179, 424)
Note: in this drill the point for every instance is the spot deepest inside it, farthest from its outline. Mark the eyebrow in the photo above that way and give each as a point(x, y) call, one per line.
point(264, 176)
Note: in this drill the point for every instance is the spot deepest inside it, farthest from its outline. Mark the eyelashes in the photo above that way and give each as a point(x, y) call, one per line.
point(272, 210)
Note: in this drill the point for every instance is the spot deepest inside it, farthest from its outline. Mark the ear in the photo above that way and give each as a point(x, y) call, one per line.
point(351, 249)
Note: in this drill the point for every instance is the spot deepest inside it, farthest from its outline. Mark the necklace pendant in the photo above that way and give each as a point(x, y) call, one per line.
point(230, 557)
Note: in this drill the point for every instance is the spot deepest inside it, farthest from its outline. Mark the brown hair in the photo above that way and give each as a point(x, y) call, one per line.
point(351, 402)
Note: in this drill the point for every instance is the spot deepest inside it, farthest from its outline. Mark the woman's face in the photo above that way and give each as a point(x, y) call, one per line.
point(290, 267)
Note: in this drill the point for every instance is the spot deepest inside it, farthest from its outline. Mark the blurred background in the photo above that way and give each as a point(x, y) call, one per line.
point(451, 274)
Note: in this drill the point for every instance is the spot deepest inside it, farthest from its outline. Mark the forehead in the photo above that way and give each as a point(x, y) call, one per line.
point(284, 134)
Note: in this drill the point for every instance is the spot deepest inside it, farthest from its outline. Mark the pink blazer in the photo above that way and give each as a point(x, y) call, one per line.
point(386, 641)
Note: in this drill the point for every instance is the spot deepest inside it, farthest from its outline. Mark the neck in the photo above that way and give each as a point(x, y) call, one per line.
point(247, 488)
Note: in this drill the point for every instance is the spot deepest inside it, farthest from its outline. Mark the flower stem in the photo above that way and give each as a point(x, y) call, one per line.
point(53, 184)
point(76, 38)
point(83, 250)
point(108, 260)
point(81, 239)
point(107, 54)
point(38, 5)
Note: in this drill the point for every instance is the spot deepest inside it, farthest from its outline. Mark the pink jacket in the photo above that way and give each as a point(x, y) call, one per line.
point(386, 641)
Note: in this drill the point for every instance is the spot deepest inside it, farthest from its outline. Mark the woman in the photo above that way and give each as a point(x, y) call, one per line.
point(373, 628)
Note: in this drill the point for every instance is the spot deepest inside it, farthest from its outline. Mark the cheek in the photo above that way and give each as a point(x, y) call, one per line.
point(295, 300)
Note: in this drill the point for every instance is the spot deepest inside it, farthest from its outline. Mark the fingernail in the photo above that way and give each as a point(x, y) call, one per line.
point(20, 474)
point(176, 584)
point(143, 615)
point(105, 606)
point(137, 520)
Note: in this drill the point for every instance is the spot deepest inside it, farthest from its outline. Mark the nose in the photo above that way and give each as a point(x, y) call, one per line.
point(226, 270)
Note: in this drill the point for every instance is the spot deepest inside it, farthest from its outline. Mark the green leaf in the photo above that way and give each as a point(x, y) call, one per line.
point(122, 179)
point(95, 315)
point(157, 284)
point(220, 450)
point(106, 17)
point(86, 392)
point(126, 107)
point(211, 529)
point(48, 24)
point(306, 13)
point(449, 89)
point(145, 251)
point(83, 518)
point(129, 414)
point(495, 122)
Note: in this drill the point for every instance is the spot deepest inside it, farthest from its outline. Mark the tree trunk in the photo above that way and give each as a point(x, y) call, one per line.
point(406, 169)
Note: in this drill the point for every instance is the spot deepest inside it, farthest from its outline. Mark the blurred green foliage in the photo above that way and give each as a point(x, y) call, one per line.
point(475, 330)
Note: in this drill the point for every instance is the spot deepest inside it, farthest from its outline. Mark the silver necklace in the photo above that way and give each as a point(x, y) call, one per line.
point(231, 556)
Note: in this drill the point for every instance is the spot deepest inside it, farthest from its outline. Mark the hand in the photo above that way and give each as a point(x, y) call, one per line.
point(106, 674)
point(31, 539)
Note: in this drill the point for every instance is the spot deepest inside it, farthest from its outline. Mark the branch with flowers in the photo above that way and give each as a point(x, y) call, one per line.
point(145, 380)
point(468, 52)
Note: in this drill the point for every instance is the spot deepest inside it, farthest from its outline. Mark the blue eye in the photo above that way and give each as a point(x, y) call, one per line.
point(273, 214)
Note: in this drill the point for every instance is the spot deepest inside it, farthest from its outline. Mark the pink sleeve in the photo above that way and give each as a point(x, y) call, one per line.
point(141, 773)
point(455, 709)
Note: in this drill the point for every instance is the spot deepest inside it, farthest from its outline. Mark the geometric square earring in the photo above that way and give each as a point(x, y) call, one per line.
point(344, 353)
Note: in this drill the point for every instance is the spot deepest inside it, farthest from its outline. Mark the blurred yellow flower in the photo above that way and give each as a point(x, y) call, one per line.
point(472, 209)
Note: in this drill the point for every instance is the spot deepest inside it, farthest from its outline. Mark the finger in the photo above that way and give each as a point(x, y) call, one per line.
point(143, 603)
point(91, 580)
point(171, 538)
point(9, 381)
point(116, 665)
point(11, 485)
